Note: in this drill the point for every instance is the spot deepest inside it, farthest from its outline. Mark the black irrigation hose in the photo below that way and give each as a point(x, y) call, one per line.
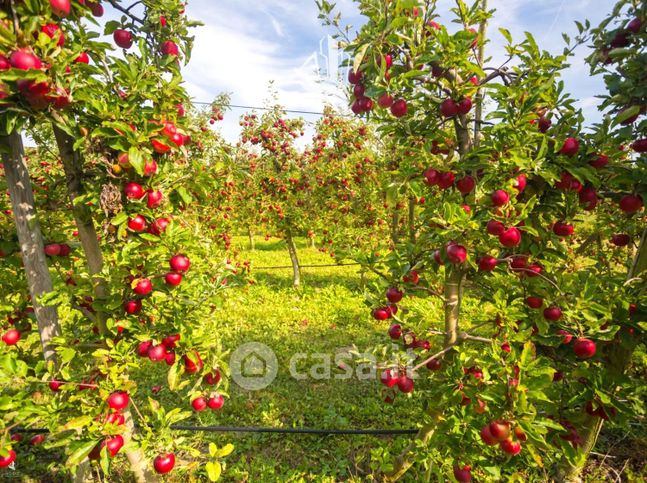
point(234, 429)
point(228, 429)
point(307, 266)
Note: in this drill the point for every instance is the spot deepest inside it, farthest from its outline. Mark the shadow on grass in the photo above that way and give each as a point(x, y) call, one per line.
point(282, 278)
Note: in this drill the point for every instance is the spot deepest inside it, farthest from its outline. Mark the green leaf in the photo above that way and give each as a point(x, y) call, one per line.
point(626, 114)
point(80, 453)
point(214, 470)
point(184, 194)
point(225, 450)
point(77, 423)
point(359, 57)
point(120, 219)
point(136, 160)
point(173, 377)
point(506, 34)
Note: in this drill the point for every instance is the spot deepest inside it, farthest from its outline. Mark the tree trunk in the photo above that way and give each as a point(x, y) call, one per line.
point(250, 236)
point(296, 269)
point(311, 242)
point(404, 461)
point(73, 166)
point(394, 227)
point(138, 462)
point(31, 240)
point(619, 360)
point(453, 296)
point(453, 280)
point(412, 219)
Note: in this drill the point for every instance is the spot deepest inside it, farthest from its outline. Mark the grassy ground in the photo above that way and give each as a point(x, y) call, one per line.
point(325, 316)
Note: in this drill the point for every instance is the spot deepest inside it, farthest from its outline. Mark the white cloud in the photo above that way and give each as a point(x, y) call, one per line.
point(243, 46)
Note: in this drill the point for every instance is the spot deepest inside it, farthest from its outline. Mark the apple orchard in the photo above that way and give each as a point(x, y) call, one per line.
point(501, 240)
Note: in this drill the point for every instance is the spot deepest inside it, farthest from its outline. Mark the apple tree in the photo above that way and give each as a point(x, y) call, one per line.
point(510, 305)
point(345, 168)
point(141, 286)
point(273, 176)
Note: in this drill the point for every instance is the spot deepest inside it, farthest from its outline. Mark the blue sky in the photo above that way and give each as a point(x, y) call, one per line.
point(245, 45)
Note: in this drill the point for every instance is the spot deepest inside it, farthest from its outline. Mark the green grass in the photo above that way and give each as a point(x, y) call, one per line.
point(326, 315)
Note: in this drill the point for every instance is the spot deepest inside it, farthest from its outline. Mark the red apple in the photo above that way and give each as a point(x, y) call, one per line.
point(465, 105)
point(500, 198)
point(466, 185)
point(5, 461)
point(190, 366)
point(634, 25)
point(395, 331)
point(464, 474)
point(137, 224)
point(11, 337)
point(180, 263)
point(381, 313)
point(412, 277)
point(24, 59)
point(158, 226)
point(133, 307)
point(552, 313)
point(399, 108)
point(157, 353)
point(520, 183)
point(510, 237)
point(500, 430)
point(405, 384)
point(434, 365)
point(173, 279)
point(354, 77)
point(114, 444)
point(164, 463)
point(456, 253)
point(486, 436)
point(563, 229)
point(154, 198)
point(385, 100)
point(448, 108)
point(584, 348)
point(61, 8)
point(446, 180)
point(631, 203)
point(511, 447)
point(169, 48)
point(216, 402)
point(394, 295)
point(600, 161)
point(199, 404)
point(495, 227)
point(621, 240)
point(534, 302)
point(487, 263)
point(83, 58)
point(123, 38)
point(570, 147)
point(54, 31)
point(134, 191)
point(118, 400)
point(53, 250)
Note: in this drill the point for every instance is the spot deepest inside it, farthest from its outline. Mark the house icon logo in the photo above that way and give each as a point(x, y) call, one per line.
point(253, 366)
